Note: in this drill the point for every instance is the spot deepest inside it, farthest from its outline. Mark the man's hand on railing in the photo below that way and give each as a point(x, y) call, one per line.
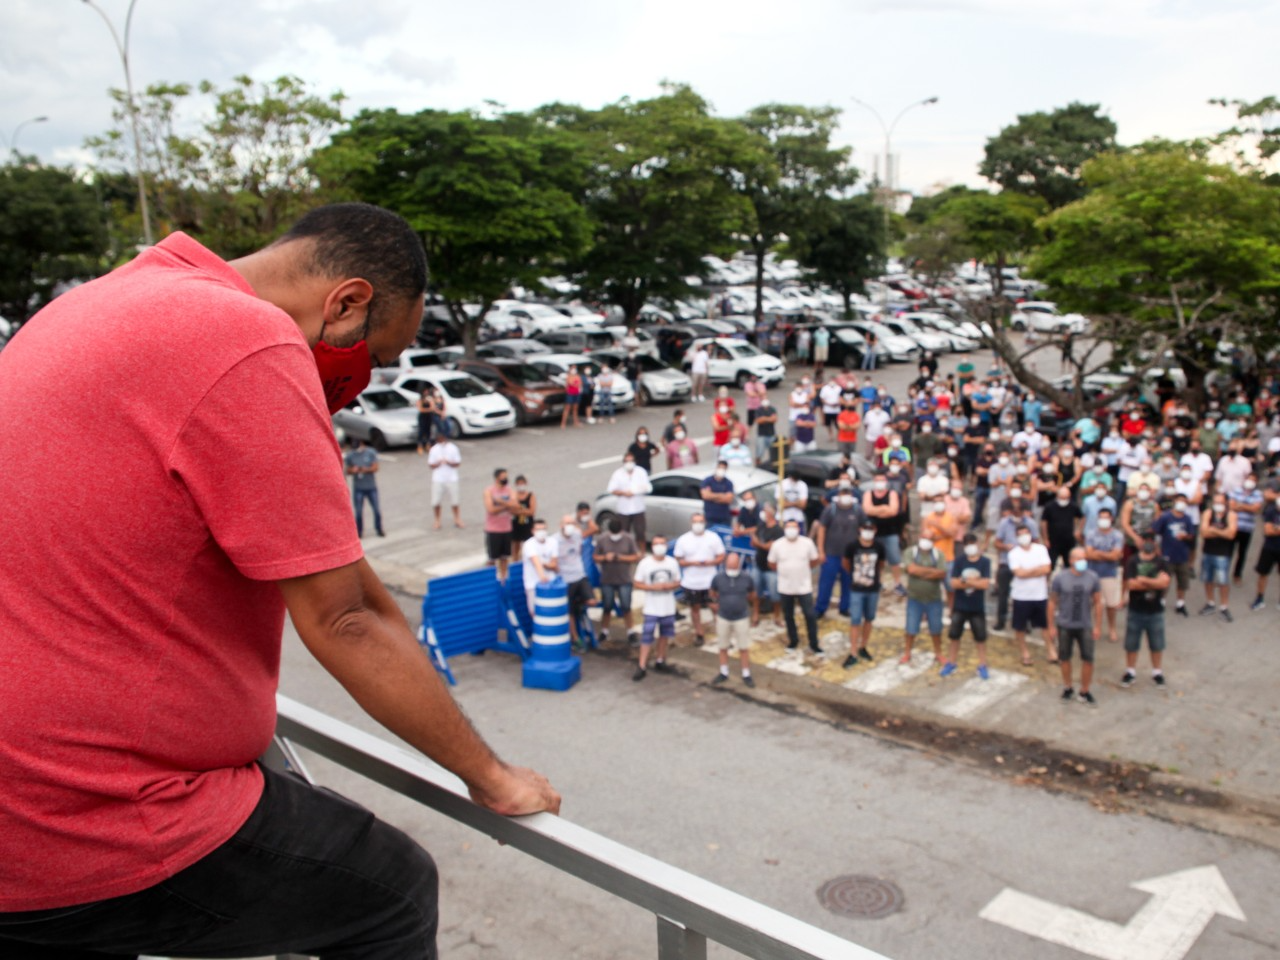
point(515, 791)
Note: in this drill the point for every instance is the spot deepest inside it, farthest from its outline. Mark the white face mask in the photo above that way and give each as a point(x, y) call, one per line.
point(925, 544)
point(791, 533)
point(925, 428)
point(1185, 475)
point(540, 535)
point(880, 486)
point(733, 573)
point(698, 527)
point(845, 500)
point(628, 466)
point(1064, 500)
point(932, 469)
point(867, 536)
point(1144, 494)
point(735, 443)
point(615, 536)
point(1250, 485)
point(1004, 461)
point(895, 469)
point(659, 549)
point(1024, 540)
point(642, 438)
point(720, 474)
point(679, 434)
point(956, 493)
point(748, 504)
point(569, 530)
point(1180, 506)
point(1104, 523)
point(972, 550)
point(1219, 508)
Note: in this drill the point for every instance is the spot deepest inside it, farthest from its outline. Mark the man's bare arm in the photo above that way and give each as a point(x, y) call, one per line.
point(350, 624)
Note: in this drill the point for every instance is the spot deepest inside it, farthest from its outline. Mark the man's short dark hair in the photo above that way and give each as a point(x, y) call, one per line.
point(498, 471)
point(361, 240)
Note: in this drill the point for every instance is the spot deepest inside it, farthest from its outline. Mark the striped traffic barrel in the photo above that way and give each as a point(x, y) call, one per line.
point(550, 621)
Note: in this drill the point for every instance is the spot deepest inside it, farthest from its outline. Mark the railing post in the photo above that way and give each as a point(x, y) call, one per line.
point(678, 942)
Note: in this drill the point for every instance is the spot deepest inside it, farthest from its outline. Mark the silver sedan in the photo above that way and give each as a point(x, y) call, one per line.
point(677, 496)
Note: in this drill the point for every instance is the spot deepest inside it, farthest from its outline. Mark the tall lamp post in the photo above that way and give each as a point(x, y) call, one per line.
point(12, 142)
point(123, 49)
point(889, 178)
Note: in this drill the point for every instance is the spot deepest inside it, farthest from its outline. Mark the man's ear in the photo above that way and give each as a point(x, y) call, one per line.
point(346, 306)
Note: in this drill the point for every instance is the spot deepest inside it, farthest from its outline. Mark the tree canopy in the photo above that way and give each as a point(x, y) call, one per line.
point(843, 244)
point(1041, 155)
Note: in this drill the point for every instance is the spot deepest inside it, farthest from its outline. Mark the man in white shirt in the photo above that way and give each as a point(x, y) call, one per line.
point(1030, 566)
point(829, 396)
point(629, 484)
point(1232, 469)
point(698, 552)
point(794, 557)
point(793, 497)
point(444, 460)
point(1030, 438)
point(800, 400)
point(657, 578)
point(933, 487)
point(539, 557)
point(873, 424)
point(699, 368)
point(1201, 463)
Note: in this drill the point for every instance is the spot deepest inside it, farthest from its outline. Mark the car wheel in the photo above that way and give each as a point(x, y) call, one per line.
point(522, 417)
point(1019, 326)
point(644, 398)
point(453, 428)
point(377, 440)
point(742, 378)
point(602, 521)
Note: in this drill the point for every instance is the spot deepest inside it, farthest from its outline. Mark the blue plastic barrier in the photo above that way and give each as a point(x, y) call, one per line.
point(551, 664)
point(465, 613)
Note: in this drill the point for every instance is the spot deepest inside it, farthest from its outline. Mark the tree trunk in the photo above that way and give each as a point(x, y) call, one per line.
point(760, 248)
point(468, 326)
point(846, 291)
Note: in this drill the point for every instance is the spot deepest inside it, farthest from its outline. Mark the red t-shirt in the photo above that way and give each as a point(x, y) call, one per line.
point(168, 456)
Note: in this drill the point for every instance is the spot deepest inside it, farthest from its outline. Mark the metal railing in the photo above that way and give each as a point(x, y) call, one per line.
point(689, 910)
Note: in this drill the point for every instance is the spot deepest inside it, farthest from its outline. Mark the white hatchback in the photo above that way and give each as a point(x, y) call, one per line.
point(734, 361)
point(470, 407)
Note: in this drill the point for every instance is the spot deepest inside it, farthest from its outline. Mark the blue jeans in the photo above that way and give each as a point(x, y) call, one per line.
point(309, 872)
point(869, 360)
point(766, 583)
point(358, 497)
point(1136, 624)
point(831, 569)
point(604, 403)
point(918, 610)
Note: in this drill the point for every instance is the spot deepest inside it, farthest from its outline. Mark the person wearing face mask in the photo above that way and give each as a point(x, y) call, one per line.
point(805, 427)
point(539, 559)
point(681, 451)
point(657, 577)
point(1000, 477)
point(568, 543)
point(499, 512)
point(883, 505)
point(717, 496)
point(151, 733)
point(766, 423)
point(1029, 568)
point(793, 559)
point(1138, 516)
point(643, 450)
point(1146, 581)
point(616, 553)
point(926, 572)
point(766, 579)
point(932, 488)
point(1246, 503)
point(1269, 555)
point(1218, 534)
point(677, 422)
point(699, 367)
point(444, 459)
point(1060, 525)
point(757, 394)
point(863, 562)
point(1232, 469)
point(732, 596)
point(834, 531)
point(525, 509)
point(361, 463)
point(1104, 549)
point(735, 453)
point(847, 422)
point(1175, 531)
point(1075, 619)
point(969, 580)
point(1145, 476)
point(630, 484)
point(699, 552)
point(927, 443)
point(875, 420)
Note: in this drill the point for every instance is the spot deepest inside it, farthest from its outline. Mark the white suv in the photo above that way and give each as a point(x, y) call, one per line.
point(1043, 317)
point(734, 361)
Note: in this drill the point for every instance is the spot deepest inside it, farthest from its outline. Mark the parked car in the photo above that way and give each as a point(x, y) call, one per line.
point(733, 361)
point(519, 348)
point(658, 382)
point(702, 327)
point(1043, 317)
point(556, 366)
point(576, 311)
point(648, 344)
point(470, 407)
point(531, 393)
point(582, 340)
point(891, 345)
point(927, 339)
point(677, 496)
point(815, 468)
point(847, 346)
point(410, 360)
point(528, 318)
point(965, 334)
point(436, 331)
point(382, 416)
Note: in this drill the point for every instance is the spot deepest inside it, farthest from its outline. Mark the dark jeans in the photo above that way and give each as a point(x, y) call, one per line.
point(1004, 581)
point(832, 570)
point(309, 872)
point(358, 497)
point(1241, 547)
point(789, 601)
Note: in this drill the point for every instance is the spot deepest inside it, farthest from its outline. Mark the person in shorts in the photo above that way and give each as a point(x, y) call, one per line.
point(444, 459)
point(731, 596)
point(699, 552)
point(500, 508)
point(864, 561)
point(1104, 549)
point(573, 571)
point(1029, 568)
point(658, 578)
point(766, 532)
point(616, 554)
point(1218, 533)
point(926, 571)
point(1146, 578)
point(1269, 555)
point(1176, 530)
point(970, 581)
point(1075, 619)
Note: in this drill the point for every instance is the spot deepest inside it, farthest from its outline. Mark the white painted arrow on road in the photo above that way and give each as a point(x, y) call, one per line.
point(1181, 906)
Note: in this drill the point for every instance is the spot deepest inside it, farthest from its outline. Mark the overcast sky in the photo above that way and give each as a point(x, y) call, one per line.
point(1151, 64)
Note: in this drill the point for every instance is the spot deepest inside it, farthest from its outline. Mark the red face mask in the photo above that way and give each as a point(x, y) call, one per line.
point(344, 372)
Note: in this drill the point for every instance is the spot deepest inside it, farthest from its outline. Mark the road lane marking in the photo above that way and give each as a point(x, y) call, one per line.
point(978, 694)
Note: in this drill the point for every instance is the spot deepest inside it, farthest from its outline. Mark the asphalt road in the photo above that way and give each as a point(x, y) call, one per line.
point(769, 804)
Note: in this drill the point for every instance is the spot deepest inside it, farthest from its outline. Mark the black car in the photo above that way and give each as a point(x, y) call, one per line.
point(815, 468)
point(575, 341)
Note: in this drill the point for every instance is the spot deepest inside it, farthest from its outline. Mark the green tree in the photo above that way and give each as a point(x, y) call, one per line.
point(936, 246)
point(495, 200)
point(662, 193)
point(996, 228)
point(922, 208)
point(52, 229)
point(1169, 252)
point(795, 170)
point(1041, 155)
point(1255, 138)
point(843, 244)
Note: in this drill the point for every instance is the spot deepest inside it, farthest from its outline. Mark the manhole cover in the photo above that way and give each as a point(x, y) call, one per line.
point(854, 896)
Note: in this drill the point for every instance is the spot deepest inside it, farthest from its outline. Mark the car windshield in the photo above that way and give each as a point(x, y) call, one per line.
point(847, 335)
point(744, 350)
point(524, 373)
point(384, 400)
point(648, 362)
point(462, 387)
point(425, 360)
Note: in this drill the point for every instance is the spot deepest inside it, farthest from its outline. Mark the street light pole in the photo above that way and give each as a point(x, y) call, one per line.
point(12, 142)
point(887, 129)
point(123, 50)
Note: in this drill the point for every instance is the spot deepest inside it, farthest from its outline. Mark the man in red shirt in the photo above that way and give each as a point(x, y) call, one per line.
point(144, 601)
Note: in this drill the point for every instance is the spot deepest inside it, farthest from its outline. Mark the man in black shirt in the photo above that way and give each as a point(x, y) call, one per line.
point(1147, 578)
point(1060, 524)
point(863, 565)
point(766, 580)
